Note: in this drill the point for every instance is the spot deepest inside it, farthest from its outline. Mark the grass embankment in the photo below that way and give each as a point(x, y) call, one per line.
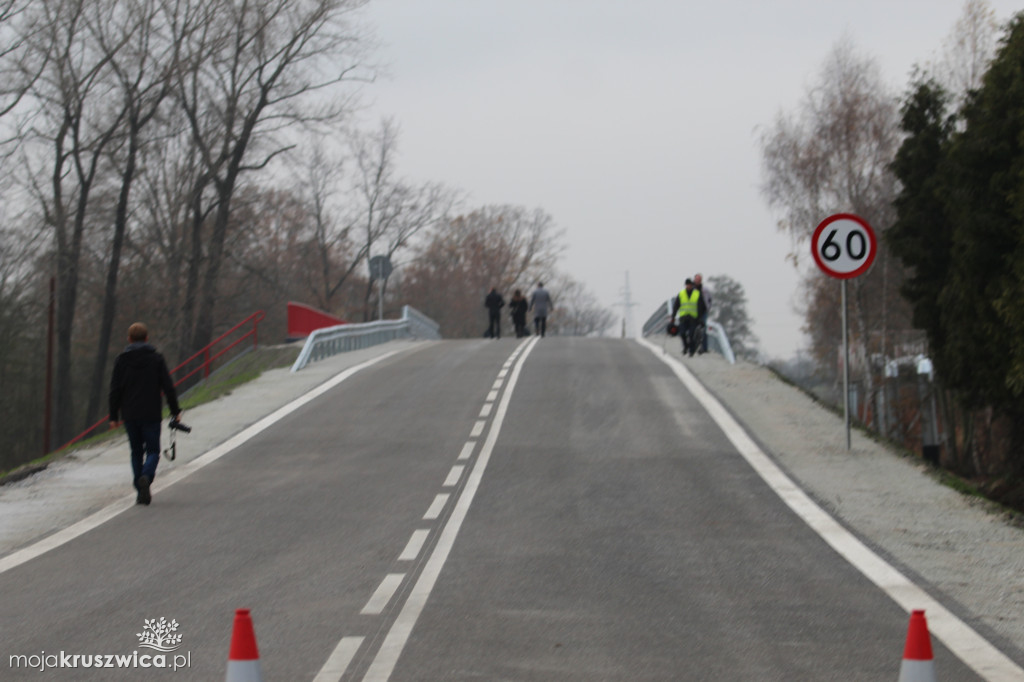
point(239, 371)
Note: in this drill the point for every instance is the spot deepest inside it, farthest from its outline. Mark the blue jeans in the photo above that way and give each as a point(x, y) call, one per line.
point(144, 439)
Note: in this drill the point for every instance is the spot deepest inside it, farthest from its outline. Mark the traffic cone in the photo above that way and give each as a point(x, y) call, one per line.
point(918, 662)
point(244, 659)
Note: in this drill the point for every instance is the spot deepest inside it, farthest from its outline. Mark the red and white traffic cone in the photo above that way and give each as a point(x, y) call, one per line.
point(918, 662)
point(244, 659)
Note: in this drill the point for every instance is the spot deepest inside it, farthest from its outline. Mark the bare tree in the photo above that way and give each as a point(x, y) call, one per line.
point(142, 62)
point(494, 246)
point(254, 69)
point(362, 209)
point(578, 312)
point(76, 125)
point(21, 62)
point(332, 255)
point(834, 156)
point(968, 49)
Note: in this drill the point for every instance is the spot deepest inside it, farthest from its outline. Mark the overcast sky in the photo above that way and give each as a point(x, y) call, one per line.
point(633, 123)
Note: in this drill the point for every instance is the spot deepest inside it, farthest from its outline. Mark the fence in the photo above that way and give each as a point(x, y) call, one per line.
point(343, 338)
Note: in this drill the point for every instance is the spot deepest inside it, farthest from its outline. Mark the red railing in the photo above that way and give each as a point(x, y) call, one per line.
point(204, 367)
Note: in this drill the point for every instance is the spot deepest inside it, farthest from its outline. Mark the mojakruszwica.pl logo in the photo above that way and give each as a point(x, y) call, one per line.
point(161, 636)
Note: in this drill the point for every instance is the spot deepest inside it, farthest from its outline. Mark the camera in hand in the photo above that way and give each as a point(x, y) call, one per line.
point(178, 426)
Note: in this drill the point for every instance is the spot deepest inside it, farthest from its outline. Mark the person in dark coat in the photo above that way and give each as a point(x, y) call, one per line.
point(494, 303)
point(140, 375)
point(518, 307)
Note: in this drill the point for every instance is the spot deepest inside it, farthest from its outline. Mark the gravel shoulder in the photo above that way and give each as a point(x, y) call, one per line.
point(966, 552)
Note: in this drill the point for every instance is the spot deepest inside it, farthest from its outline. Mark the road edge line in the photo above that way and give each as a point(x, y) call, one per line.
point(974, 650)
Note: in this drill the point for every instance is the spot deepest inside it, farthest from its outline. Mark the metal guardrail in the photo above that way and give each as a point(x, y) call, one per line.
point(657, 323)
point(324, 343)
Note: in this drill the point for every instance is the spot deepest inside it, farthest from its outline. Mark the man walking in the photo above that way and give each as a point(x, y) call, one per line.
point(140, 375)
point(540, 304)
point(494, 303)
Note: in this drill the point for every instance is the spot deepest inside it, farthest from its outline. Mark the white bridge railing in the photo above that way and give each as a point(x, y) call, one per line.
point(717, 340)
point(343, 338)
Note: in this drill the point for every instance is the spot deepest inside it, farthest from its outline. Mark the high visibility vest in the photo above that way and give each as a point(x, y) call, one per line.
point(688, 304)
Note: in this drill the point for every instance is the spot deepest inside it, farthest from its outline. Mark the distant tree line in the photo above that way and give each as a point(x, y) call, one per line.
point(189, 163)
point(938, 173)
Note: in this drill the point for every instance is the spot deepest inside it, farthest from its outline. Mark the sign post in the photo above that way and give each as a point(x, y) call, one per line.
point(844, 247)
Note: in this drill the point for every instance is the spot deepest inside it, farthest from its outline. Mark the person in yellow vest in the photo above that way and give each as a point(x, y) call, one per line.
point(688, 306)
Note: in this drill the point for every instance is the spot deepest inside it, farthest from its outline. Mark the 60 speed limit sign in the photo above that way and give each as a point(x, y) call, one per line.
point(844, 246)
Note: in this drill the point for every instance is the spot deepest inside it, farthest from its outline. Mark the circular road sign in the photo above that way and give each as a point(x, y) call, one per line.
point(844, 246)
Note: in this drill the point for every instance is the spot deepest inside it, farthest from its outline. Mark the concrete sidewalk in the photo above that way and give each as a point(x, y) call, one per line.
point(91, 478)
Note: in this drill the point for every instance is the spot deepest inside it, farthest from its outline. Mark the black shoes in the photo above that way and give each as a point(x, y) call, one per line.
point(143, 486)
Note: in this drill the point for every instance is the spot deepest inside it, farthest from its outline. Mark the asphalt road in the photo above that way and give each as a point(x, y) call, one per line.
point(552, 510)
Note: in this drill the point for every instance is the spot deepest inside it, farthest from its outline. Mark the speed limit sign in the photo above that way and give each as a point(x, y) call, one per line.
point(844, 246)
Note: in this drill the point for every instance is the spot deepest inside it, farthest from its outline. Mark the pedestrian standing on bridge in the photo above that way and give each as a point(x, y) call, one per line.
point(494, 303)
point(688, 305)
point(140, 375)
point(540, 304)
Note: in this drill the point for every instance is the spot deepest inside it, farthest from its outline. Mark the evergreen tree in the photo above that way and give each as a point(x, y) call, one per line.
point(922, 234)
point(983, 354)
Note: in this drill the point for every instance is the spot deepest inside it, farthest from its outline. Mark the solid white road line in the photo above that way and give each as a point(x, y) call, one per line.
point(170, 478)
point(415, 544)
point(976, 652)
point(436, 507)
point(385, 591)
point(339, 660)
point(387, 657)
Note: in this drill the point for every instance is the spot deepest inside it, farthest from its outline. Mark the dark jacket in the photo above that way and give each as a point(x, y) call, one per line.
point(518, 308)
point(140, 374)
point(494, 302)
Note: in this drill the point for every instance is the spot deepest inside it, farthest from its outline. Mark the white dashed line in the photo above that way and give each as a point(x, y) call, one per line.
point(454, 476)
point(415, 544)
point(486, 410)
point(467, 450)
point(478, 428)
point(391, 648)
point(379, 601)
point(436, 507)
point(339, 660)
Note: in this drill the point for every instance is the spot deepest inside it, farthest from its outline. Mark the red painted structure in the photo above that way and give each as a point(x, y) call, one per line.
point(202, 361)
point(303, 320)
